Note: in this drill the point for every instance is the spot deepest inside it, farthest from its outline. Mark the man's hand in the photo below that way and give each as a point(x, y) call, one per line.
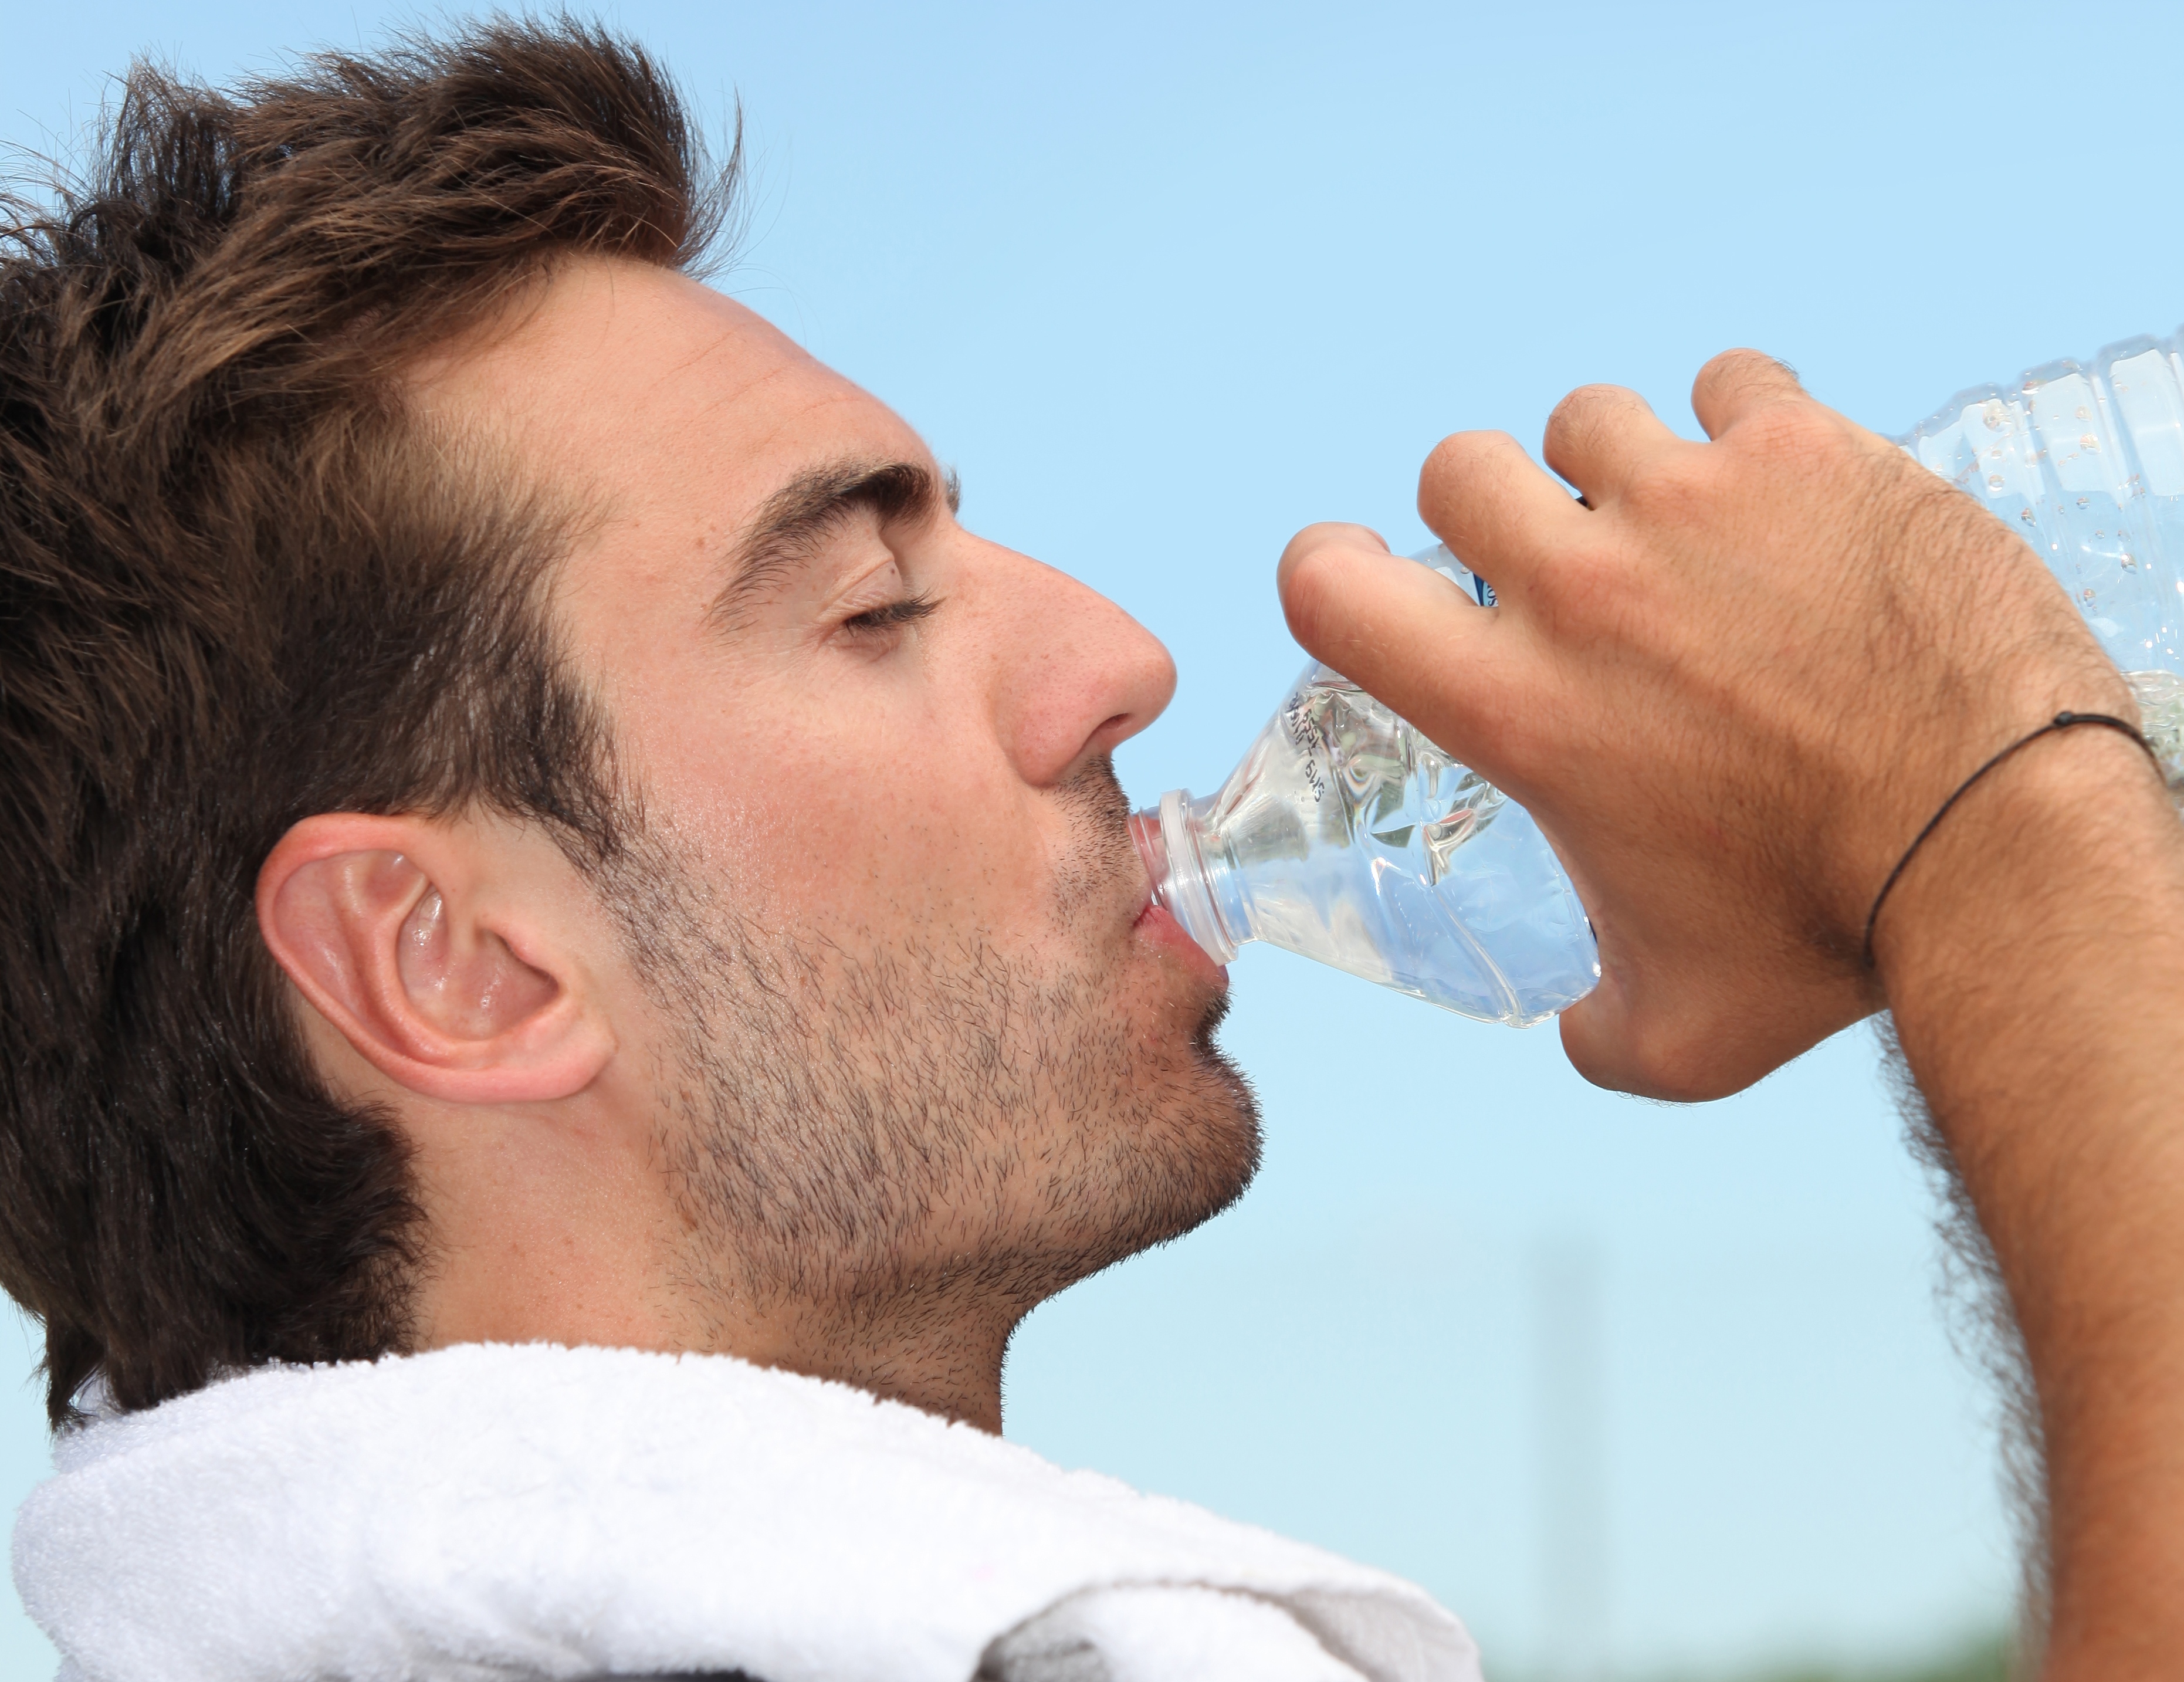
point(1731, 684)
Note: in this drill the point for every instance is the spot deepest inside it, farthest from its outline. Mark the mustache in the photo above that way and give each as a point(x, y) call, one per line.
point(1100, 852)
point(1095, 794)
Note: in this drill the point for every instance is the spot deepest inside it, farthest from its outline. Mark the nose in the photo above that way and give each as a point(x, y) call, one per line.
point(1079, 675)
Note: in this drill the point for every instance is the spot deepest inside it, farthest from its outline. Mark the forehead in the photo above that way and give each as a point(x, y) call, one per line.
point(661, 398)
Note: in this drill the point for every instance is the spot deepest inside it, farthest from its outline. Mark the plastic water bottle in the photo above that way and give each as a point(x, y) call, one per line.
point(1345, 835)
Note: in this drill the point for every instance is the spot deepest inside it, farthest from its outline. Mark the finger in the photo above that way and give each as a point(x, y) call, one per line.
point(1596, 1038)
point(1400, 630)
point(1741, 382)
point(1332, 533)
point(1599, 436)
point(1494, 507)
point(1620, 1037)
point(1671, 1020)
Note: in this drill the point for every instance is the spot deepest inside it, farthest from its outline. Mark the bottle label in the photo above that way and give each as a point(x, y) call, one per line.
point(1306, 737)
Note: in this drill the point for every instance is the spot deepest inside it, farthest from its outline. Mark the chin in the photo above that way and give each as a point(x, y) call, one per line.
point(1187, 1149)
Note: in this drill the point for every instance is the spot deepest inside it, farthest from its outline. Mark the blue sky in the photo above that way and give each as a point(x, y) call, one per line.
point(1165, 282)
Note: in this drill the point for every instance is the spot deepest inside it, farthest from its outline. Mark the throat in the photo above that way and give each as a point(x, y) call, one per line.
point(939, 1348)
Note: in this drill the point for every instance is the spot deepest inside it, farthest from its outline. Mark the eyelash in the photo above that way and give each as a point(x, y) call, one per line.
point(907, 611)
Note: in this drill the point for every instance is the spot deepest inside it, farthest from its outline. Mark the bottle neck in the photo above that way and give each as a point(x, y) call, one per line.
point(1192, 878)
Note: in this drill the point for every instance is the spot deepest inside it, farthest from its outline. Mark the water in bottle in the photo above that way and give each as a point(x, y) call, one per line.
point(1347, 836)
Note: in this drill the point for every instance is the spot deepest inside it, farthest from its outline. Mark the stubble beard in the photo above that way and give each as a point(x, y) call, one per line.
point(925, 1126)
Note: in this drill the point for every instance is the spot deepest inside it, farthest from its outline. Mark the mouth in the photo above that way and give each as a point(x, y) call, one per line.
point(1154, 921)
point(1157, 926)
point(1105, 810)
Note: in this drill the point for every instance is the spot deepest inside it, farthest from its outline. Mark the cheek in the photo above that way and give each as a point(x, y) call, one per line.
point(851, 813)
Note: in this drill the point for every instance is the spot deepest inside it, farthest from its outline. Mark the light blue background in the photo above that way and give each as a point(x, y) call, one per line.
point(1166, 282)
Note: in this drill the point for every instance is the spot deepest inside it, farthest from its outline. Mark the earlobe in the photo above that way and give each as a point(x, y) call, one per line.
point(401, 933)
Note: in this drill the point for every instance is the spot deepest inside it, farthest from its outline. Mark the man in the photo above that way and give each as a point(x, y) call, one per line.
point(537, 828)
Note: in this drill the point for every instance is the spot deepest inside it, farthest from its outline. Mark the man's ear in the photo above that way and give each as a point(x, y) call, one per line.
point(434, 949)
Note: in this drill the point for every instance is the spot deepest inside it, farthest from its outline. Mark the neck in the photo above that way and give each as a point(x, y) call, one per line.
point(935, 1341)
point(533, 1241)
point(949, 1367)
point(941, 1357)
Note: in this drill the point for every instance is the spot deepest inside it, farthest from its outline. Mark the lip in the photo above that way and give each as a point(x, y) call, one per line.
point(1154, 921)
point(1158, 926)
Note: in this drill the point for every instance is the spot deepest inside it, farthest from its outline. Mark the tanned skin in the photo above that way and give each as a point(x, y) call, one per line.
point(1733, 684)
point(869, 1038)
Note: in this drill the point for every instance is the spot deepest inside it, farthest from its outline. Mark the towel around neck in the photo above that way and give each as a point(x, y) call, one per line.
point(497, 1512)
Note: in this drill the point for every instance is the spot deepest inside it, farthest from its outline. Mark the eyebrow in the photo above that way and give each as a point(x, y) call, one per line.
point(794, 522)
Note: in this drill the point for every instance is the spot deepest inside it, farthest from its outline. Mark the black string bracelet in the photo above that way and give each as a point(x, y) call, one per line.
point(2062, 720)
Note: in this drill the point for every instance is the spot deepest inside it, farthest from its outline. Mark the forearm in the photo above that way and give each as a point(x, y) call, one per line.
point(2033, 956)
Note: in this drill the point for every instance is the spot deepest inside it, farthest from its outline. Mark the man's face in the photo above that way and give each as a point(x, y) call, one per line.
point(910, 1028)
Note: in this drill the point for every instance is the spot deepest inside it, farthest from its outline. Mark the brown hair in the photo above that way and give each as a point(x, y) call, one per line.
point(237, 588)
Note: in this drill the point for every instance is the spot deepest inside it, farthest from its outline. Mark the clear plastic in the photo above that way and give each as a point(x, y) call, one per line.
point(2086, 463)
point(1345, 835)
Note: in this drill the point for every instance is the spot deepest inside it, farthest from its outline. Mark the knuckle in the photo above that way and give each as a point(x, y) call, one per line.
point(1586, 421)
point(1744, 366)
point(1738, 359)
point(1587, 400)
point(1591, 406)
point(1460, 467)
point(1461, 454)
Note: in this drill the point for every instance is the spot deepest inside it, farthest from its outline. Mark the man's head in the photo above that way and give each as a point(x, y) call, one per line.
point(536, 820)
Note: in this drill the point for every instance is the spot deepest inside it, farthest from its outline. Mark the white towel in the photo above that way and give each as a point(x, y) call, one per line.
point(491, 1512)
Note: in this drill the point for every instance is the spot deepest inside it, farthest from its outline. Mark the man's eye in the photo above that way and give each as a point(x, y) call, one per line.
point(906, 611)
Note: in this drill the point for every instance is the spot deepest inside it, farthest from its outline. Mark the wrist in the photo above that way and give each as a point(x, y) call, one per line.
point(1960, 700)
point(1993, 764)
point(2072, 839)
